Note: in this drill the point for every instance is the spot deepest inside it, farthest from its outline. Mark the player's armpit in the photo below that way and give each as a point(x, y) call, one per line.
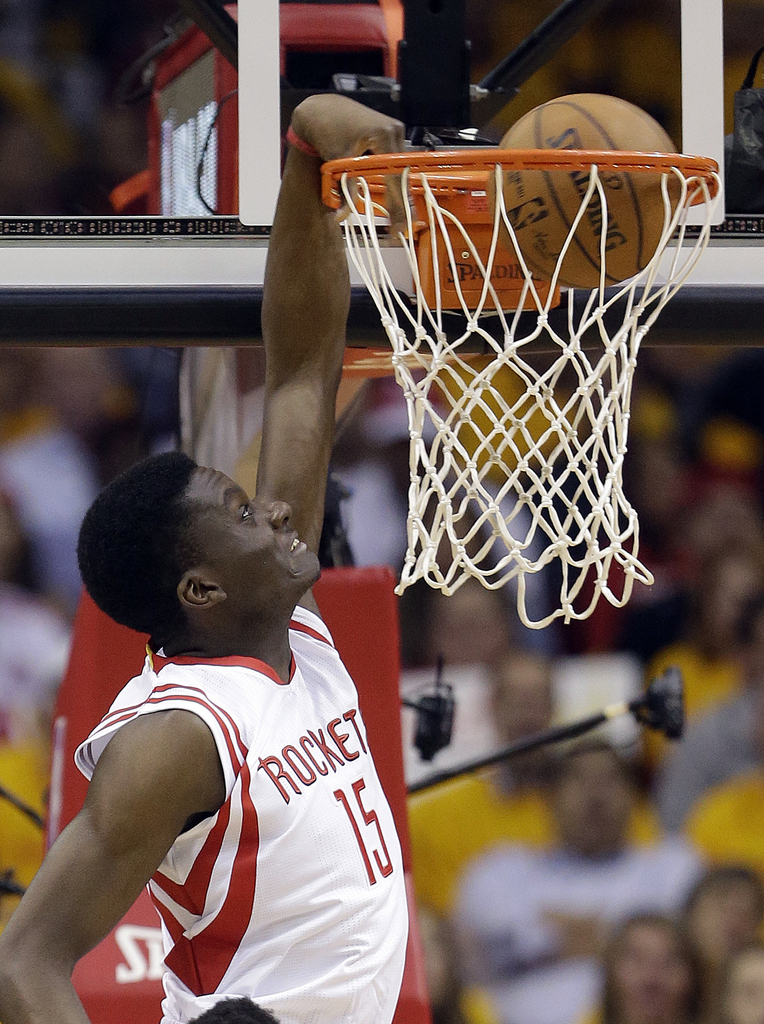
point(154, 775)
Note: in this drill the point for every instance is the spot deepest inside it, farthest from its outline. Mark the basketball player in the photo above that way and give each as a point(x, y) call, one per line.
point(233, 775)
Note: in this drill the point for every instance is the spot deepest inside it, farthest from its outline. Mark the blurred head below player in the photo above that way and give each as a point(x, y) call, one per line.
point(236, 1011)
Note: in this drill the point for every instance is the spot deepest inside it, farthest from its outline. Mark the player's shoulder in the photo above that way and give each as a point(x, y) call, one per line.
point(233, 694)
point(306, 626)
point(214, 690)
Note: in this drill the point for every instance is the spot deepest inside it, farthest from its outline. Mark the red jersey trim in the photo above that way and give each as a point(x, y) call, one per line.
point(181, 694)
point(300, 627)
point(170, 921)
point(156, 698)
point(192, 894)
point(158, 662)
point(202, 961)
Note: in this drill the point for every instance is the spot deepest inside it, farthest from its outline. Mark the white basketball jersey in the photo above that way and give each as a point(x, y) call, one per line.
point(293, 893)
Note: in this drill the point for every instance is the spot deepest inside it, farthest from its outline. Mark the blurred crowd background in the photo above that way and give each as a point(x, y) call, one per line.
point(620, 880)
point(67, 139)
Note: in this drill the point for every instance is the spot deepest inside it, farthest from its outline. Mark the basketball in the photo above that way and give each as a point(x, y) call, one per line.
point(543, 204)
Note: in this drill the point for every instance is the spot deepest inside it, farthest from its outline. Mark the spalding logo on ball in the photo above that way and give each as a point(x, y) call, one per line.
point(542, 205)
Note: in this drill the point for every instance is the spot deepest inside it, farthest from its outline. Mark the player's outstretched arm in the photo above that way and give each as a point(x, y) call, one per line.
point(154, 775)
point(305, 307)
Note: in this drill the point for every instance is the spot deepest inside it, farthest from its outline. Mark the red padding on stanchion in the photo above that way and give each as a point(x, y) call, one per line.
point(318, 28)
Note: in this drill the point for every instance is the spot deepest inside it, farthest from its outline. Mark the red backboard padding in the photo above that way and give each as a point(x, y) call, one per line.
point(119, 980)
point(329, 28)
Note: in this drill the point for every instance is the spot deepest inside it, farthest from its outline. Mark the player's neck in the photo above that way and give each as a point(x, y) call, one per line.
point(268, 643)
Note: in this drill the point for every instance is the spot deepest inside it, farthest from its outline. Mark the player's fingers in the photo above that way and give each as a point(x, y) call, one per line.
point(351, 202)
point(396, 203)
point(389, 136)
point(352, 191)
point(394, 136)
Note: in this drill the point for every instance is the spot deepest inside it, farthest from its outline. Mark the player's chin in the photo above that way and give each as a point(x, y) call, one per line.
point(307, 570)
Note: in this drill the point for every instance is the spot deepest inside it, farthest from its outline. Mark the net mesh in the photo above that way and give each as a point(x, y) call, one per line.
point(516, 457)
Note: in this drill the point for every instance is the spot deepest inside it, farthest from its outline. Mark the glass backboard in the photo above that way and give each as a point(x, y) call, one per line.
point(101, 252)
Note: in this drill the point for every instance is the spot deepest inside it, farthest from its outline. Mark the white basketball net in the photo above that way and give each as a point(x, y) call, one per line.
point(509, 485)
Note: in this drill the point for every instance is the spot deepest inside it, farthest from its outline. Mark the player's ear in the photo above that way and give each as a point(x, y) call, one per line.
point(197, 590)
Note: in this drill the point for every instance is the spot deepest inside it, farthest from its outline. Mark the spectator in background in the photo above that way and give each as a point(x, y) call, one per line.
point(450, 1002)
point(47, 471)
point(652, 975)
point(372, 461)
point(723, 915)
point(68, 422)
point(34, 641)
point(29, 174)
point(727, 822)
point(723, 742)
point(728, 474)
point(111, 401)
point(742, 999)
point(707, 656)
point(34, 644)
point(453, 823)
point(532, 922)
point(473, 626)
point(656, 478)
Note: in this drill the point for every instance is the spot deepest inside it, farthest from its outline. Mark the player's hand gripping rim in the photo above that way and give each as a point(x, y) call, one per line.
point(336, 127)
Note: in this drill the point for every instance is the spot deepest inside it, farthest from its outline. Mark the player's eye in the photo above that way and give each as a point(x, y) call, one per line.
point(245, 512)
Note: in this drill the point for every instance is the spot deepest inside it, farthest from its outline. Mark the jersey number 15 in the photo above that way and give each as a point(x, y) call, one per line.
point(370, 818)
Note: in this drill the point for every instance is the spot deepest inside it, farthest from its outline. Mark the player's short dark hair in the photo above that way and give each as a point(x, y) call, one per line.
point(236, 1011)
point(133, 544)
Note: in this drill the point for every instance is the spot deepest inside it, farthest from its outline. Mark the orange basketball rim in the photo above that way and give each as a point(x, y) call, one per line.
point(461, 181)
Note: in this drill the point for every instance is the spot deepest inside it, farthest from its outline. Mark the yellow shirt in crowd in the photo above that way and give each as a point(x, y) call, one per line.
point(727, 824)
point(24, 771)
point(457, 821)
